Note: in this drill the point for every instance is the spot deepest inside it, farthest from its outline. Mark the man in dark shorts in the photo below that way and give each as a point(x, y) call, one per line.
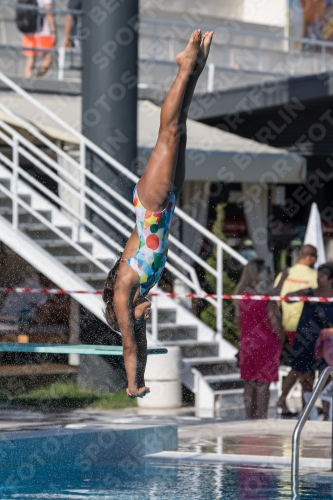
point(300, 276)
point(314, 318)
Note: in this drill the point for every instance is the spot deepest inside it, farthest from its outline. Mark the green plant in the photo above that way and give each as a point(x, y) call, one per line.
point(208, 315)
point(62, 396)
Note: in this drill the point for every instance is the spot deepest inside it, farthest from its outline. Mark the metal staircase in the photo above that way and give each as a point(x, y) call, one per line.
point(49, 228)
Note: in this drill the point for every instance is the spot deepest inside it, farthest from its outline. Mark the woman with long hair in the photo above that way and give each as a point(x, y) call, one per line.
point(261, 339)
point(154, 198)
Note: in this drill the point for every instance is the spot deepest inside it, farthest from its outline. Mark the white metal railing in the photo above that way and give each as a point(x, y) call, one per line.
point(252, 57)
point(87, 197)
point(264, 43)
point(234, 56)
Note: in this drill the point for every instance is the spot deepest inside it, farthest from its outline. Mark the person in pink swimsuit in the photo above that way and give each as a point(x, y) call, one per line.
point(261, 339)
point(143, 259)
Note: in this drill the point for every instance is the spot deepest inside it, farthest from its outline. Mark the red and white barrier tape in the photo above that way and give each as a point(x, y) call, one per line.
point(58, 291)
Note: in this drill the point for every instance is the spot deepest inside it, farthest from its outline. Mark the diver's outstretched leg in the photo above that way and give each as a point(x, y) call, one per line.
point(201, 62)
point(157, 181)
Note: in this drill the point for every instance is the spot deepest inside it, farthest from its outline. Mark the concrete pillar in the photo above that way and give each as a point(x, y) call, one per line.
point(109, 86)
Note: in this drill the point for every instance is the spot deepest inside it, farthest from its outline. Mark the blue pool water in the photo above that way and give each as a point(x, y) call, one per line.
point(153, 480)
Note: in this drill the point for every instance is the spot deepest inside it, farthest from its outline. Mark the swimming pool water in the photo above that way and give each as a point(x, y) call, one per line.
point(157, 480)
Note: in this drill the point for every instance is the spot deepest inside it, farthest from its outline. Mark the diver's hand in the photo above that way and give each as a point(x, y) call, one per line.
point(137, 393)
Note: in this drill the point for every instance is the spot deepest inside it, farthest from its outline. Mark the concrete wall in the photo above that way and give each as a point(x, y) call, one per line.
point(269, 12)
point(272, 13)
point(188, 8)
point(28, 451)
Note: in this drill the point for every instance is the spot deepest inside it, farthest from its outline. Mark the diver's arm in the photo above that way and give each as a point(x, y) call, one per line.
point(123, 306)
point(141, 342)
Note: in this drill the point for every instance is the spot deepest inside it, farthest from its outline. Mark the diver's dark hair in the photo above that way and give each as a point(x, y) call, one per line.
point(327, 269)
point(108, 294)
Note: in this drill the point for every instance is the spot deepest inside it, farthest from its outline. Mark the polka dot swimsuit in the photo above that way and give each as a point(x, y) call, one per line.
point(153, 231)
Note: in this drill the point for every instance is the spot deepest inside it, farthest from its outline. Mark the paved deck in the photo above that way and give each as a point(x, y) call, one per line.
point(265, 438)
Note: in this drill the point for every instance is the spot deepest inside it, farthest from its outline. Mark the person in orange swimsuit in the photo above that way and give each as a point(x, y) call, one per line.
point(155, 195)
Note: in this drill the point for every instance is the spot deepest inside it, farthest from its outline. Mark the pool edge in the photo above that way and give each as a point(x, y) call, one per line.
point(318, 463)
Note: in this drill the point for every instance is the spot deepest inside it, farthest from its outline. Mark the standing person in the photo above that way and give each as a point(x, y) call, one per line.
point(144, 257)
point(314, 318)
point(313, 15)
point(300, 276)
point(73, 25)
point(260, 343)
point(42, 35)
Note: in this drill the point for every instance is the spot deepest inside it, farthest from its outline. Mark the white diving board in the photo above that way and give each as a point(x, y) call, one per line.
point(101, 350)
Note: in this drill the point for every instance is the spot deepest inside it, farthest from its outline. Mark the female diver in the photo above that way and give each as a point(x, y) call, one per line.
point(154, 199)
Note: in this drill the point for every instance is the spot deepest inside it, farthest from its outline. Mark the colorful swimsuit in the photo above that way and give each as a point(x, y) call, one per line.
point(153, 231)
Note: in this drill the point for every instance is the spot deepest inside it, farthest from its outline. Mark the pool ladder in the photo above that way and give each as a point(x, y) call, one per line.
point(299, 427)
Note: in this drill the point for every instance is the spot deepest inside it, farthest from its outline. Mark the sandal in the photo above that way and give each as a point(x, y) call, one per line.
point(288, 414)
point(42, 70)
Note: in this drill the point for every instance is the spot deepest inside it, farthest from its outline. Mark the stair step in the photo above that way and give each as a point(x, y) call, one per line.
point(214, 366)
point(192, 348)
point(172, 332)
point(24, 216)
point(40, 231)
point(78, 259)
point(82, 268)
point(93, 276)
point(6, 183)
point(233, 377)
point(230, 399)
point(7, 202)
point(97, 284)
point(165, 316)
point(225, 382)
point(58, 247)
point(80, 264)
point(230, 396)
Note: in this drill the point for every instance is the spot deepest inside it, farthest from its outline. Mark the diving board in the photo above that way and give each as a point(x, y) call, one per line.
point(101, 350)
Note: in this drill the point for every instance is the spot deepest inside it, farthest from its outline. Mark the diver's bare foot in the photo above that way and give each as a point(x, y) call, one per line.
point(203, 53)
point(187, 59)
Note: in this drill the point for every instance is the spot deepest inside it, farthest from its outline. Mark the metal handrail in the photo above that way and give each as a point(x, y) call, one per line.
point(203, 26)
point(176, 28)
point(172, 62)
point(51, 226)
point(194, 284)
point(61, 53)
point(299, 427)
point(59, 180)
point(91, 145)
point(239, 32)
point(84, 190)
point(288, 44)
point(54, 10)
point(205, 232)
